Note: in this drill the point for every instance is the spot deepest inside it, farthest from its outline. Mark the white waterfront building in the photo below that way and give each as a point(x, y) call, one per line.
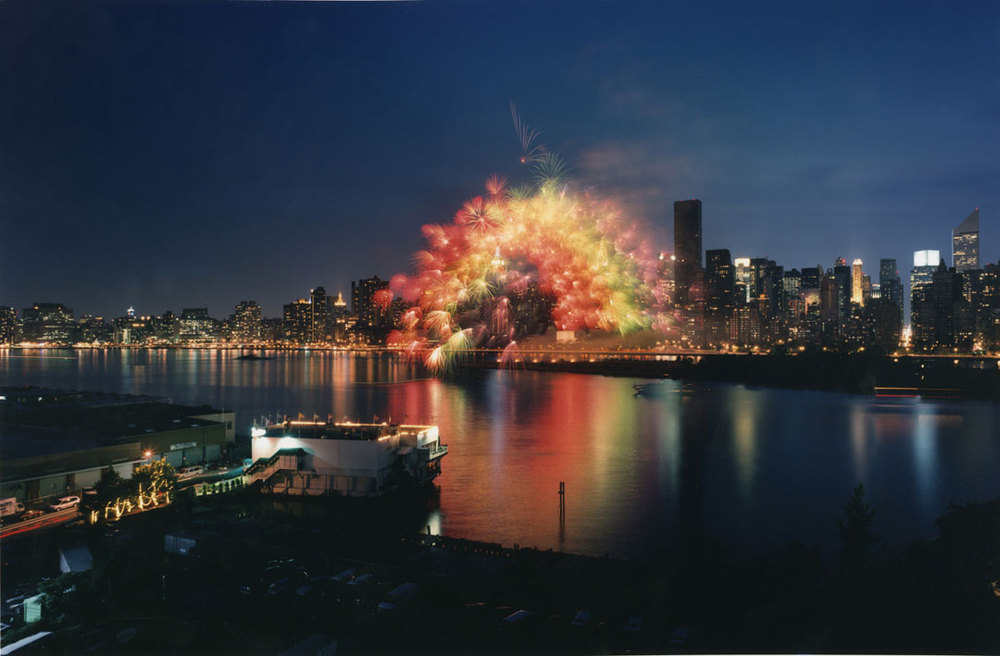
point(352, 459)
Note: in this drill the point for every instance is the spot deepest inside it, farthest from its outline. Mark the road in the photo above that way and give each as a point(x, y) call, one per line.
point(48, 519)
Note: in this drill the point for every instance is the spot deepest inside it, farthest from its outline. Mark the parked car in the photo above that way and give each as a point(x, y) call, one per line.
point(634, 624)
point(360, 580)
point(518, 618)
point(582, 618)
point(187, 473)
point(680, 635)
point(65, 502)
point(398, 597)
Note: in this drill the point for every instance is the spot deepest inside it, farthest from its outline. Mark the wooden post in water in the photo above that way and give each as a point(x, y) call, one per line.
point(562, 499)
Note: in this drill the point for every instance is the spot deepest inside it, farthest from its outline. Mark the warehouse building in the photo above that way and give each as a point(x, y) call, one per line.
point(54, 442)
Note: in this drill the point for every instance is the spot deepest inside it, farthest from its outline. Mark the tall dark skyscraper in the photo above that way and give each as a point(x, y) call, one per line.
point(318, 315)
point(720, 297)
point(371, 320)
point(890, 284)
point(965, 243)
point(925, 263)
point(811, 277)
point(297, 321)
point(687, 247)
point(842, 272)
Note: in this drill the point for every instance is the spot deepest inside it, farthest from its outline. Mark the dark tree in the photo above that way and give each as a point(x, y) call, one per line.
point(111, 486)
point(856, 534)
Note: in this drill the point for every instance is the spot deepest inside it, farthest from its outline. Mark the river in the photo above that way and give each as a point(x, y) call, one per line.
point(754, 468)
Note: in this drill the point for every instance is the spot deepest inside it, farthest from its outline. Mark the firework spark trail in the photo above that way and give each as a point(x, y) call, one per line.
point(519, 259)
point(530, 151)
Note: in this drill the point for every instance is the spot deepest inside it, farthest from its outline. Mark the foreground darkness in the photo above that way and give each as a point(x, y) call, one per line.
point(931, 596)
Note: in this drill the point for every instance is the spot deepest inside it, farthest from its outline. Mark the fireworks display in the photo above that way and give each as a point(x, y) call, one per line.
point(518, 260)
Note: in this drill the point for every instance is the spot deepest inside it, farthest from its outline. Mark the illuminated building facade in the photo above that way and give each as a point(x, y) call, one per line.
point(166, 328)
point(245, 324)
point(297, 322)
point(925, 263)
point(311, 458)
point(720, 297)
point(984, 299)
point(530, 310)
point(373, 324)
point(93, 330)
point(744, 280)
point(340, 320)
point(47, 459)
point(942, 316)
point(8, 325)
point(965, 243)
point(857, 283)
point(768, 295)
point(48, 323)
point(319, 316)
point(196, 326)
point(132, 330)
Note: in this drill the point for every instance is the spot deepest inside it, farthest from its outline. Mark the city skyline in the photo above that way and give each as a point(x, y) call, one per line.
point(204, 156)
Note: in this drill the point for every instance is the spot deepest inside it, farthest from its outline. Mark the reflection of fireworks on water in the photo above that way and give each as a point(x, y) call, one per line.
point(516, 261)
point(511, 355)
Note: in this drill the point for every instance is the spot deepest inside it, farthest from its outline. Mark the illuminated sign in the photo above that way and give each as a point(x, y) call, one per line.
point(183, 445)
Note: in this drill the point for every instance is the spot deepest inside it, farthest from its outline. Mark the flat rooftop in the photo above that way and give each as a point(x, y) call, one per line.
point(340, 431)
point(36, 421)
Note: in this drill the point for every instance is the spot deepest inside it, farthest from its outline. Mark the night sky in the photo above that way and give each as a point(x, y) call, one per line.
point(166, 155)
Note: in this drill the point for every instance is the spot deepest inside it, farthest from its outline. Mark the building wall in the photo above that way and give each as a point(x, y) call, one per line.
point(349, 467)
point(56, 474)
point(344, 455)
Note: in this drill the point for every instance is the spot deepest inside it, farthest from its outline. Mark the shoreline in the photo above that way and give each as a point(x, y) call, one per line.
point(851, 374)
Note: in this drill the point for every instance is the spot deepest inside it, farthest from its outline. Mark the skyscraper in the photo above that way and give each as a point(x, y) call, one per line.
point(372, 321)
point(246, 322)
point(8, 325)
point(318, 315)
point(965, 243)
point(890, 283)
point(857, 283)
point(925, 263)
point(297, 321)
point(687, 247)
point(720, 283)
point(842, 273)
point(744, 280)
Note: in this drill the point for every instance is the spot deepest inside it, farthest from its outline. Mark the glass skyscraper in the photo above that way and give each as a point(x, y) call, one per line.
point(925, 263)
point(965, 243)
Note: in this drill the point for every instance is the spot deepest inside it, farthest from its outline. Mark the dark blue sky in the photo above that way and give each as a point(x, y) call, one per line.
point(169, 155)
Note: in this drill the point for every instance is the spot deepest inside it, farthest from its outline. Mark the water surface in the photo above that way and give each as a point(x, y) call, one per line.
point(755, 468)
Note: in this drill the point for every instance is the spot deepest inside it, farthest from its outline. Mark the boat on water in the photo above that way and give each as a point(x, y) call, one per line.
point(313, 458)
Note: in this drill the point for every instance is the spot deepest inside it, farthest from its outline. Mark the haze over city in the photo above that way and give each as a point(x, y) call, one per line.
point(169, 156)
